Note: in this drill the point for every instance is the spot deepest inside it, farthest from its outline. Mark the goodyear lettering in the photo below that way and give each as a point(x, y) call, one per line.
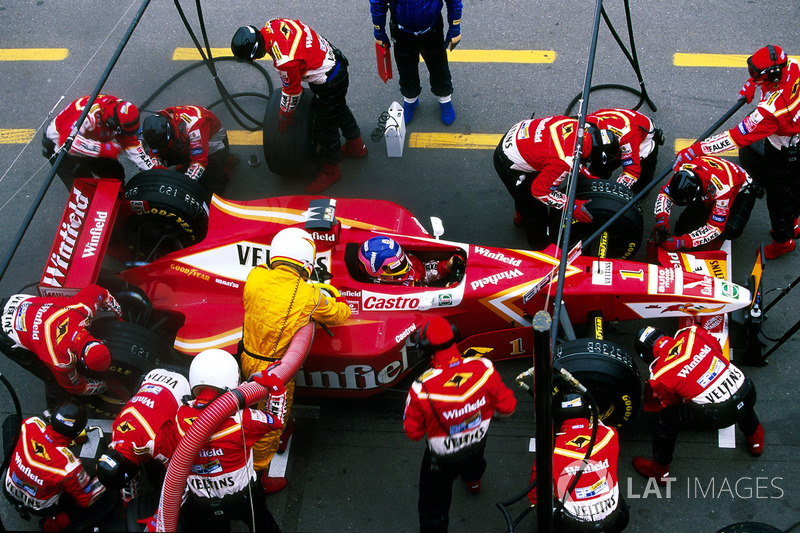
point(397, 303)
point(191, 272)
point(495, 278)
point(498, 256)
point(95, 232)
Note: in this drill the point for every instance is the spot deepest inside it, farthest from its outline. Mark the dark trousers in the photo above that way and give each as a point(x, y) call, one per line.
point(72, 167)
point(214, 515)
point(436, 487)
point(613, 523)
point(739, 409)
point(778, 172)
point(407, 49)
point(332, 114)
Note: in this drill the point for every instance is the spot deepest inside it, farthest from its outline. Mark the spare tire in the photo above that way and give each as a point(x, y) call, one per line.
point(291, 153)
point(608, 198)
point(162, 211)
point(135, 350)
point(608, 372)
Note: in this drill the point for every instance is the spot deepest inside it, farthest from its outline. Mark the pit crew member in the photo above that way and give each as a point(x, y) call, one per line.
point(143, 433)
point(595, 502)
point(639, 140)
point(384, 261)
point(698, 388)
point(302, 55)
point(718, 196)
point(222, 483)
point(193, 139)
point(109, 129)
point(453, 403)
point(533, 159)
point(278, 301)
point(45, 479)
point(774, 125)
point(49, 336)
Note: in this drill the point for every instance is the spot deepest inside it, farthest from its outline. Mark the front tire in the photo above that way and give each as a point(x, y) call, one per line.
point(290, 153)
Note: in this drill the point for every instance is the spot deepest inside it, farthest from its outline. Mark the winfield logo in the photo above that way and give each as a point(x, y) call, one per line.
point(498, 256)
point(467, 409)
point(329, 237)
point(71, 226)
point(495, 278)
point(96, 231)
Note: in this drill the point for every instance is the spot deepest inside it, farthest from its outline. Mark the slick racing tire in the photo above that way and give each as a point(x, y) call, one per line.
point(624, 237)
point(134, 352)
point(291, 153)
point(608, 372)
point(163, 210)
point(749, 527)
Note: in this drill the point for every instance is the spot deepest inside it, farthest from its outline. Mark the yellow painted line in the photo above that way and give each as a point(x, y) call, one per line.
point(15, 136)
point(33, 54)
point(680, 144)
point(710, 60)
point(245, 138)
point(456, 56)
point(454, 140)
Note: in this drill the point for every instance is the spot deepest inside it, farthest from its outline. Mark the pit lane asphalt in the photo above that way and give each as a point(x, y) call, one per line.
point(350, 466)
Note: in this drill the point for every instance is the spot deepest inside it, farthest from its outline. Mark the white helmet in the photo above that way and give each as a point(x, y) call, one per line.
point(294, 246)
point(214, 368)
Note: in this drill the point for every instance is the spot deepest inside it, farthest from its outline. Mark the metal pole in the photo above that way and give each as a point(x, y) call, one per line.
point(543, 402)
point(68, 143)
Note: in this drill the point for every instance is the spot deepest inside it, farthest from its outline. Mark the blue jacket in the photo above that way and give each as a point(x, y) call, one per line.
point(415, 16)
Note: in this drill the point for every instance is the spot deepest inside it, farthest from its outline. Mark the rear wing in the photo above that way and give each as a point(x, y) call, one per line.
point(81, 238)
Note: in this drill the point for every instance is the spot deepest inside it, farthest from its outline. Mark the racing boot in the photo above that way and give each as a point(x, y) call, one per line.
point(271, 485)
point(649, 468)
point(354, 148)
point(287, 432)
point(473, 486)
point(755, 442)
point(326, 177)
point(777, 249)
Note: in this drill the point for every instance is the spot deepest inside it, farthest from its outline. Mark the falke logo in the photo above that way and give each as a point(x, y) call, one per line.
point(495, 278)
point(71, 226)
point(498, 256)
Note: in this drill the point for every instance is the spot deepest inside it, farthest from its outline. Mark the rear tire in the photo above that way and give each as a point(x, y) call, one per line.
point(608, 372)
point(291, 153)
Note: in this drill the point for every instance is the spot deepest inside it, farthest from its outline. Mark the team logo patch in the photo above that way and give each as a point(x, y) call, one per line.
point(458, 379)
point(39, 450)
point(125, 427)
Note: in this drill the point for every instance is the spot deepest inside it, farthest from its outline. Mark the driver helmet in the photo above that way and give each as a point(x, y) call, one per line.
point(568, 406)
point(112, 469)
point(651, 343)
point(69, 419)
point(684, 187)
point(248, 44)
point(93, 353)
point(123, 118)
point(158, 132)
point(602, 151)
point(214, 368)
point(767, 64)
point(382, 258)
point(294, 246)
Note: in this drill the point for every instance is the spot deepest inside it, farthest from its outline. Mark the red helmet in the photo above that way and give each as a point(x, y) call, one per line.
point(767, 64)
point(123, 118)
point(95, 354)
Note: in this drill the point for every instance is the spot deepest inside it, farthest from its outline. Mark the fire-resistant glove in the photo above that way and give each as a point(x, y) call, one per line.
point(580, 212)
point(674, 244)
point(277, 393)
point(285, 119)
point(748, 92)
point(110, 150)
point(661, 231)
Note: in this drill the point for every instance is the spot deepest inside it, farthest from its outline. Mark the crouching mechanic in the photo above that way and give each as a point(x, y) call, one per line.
point(44, 478)
point(192, 138)
point(278, 301)
point(698, 388)
point(594, 502)
point(453, 402)
point(143, 433)
point(718, 196)
point(49, 336)
point(222, 483)
point(384, 261)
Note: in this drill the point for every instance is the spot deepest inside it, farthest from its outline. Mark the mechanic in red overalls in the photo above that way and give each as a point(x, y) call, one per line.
point(44, 477)
point(639, 140)
point(775, 122)
point(384, 261)
point(698, 388)
point(109, 129)
point(453, 402)
point(595, 502)
point(301, 54)
point(222, 483)
point(718, 196)
point(533, 159)
point(49, 336)
point(143, 433)
point(192, 138)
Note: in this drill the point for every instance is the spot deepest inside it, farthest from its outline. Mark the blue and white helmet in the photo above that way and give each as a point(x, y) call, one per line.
point(384, 259)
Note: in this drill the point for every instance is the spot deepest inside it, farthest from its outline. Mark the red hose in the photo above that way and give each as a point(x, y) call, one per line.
point(211, 418)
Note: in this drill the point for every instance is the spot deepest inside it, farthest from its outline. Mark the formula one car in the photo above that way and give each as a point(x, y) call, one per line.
point(178, 266)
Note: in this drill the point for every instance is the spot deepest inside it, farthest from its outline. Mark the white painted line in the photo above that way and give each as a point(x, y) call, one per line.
point(532, 445)
point(277, 467)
